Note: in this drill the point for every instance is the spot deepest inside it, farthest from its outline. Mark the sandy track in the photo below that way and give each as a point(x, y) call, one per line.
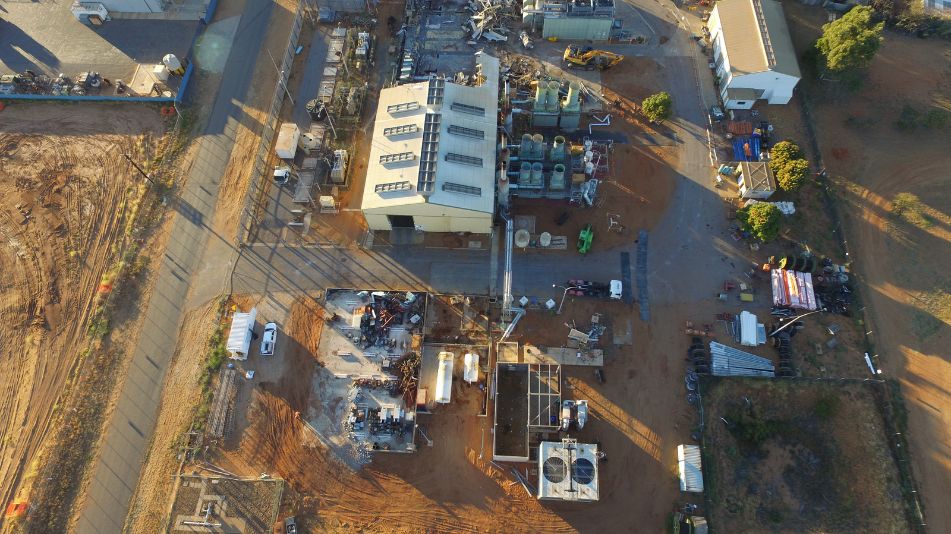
point(63, 205)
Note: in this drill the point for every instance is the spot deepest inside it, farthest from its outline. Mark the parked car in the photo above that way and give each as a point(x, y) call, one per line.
point(599, 375)
point(716, 113)
point(290, 525)
point(269, 339)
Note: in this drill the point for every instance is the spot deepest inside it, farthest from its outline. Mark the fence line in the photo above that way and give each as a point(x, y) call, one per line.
point(262, 158)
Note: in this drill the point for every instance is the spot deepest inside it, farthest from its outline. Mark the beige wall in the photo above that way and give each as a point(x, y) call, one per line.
point(433, 218)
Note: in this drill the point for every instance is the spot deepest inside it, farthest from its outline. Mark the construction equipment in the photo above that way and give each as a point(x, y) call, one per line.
point(590, 59)
point(585, 238)
point(587, 288)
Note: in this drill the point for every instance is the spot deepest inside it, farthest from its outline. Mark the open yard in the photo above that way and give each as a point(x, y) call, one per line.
point(68, 208)
point(798, 456)
point(879, 147)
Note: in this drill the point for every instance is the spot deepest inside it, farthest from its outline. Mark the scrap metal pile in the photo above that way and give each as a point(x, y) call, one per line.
point(386, 310)
point(489, 18)
point(30, 83)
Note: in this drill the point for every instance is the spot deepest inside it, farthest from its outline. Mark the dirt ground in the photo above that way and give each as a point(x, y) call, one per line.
point(900, 263)
point(66, 200)
point(798, 456)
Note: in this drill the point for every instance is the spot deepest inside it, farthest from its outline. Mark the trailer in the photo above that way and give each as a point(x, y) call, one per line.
point(587, 288)
point(288, 138)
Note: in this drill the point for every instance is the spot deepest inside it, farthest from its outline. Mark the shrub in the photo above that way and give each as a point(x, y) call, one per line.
point(826, 407)
point(761, 220)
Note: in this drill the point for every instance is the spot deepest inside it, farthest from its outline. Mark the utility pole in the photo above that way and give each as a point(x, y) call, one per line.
point(136, 165)
point(280, 78)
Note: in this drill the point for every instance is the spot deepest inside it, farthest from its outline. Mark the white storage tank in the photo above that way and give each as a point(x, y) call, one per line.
point(173, 64)
point(444, 377)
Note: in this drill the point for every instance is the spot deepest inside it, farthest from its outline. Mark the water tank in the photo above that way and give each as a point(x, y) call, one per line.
point(173, 64)
point(558, 177)
point(588, 156)
point(541, 95)
point(587, 145)
point(589, 168)
point(574, 94)
point(522, 238)
point(558, 148)
point(553, 88)
point(527, 147)
point(444, 378)
point(525, 172)
point(538, 148)
point(544, 239)
point(537, 173)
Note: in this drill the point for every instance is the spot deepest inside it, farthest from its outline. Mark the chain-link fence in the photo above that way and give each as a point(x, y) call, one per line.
point(261, 166)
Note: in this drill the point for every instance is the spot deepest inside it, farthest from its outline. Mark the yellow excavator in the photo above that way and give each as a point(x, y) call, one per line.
point(590, 59)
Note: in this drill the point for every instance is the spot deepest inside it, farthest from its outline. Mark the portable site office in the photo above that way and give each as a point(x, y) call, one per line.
point(242, 330)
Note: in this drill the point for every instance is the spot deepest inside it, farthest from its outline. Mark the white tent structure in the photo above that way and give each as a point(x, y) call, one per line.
point(242, 330)
point(690, 468)
point(471, 372)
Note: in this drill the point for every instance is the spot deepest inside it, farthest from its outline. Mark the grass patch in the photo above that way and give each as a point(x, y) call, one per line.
point(909, 208)
point(826, 407)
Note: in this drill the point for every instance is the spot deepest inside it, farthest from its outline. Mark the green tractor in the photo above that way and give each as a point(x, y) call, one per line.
point(584, 239)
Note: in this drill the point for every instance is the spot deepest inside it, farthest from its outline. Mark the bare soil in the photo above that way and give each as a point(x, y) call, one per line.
point(66, 200)
point(798, 456)
point(899, 264)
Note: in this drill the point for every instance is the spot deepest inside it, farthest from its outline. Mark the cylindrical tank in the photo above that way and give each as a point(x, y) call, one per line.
point(173, 64)
point(587, 145)
point(544, 239)
point(553, 88)
point(589, 168)
point(541, 94)
point(522, 238)
point(558, 148)
point(588, 156)
point(537, 173)
point(574, 94)
point(538, 148)
point(503, 181)
point(525, 172)
point(527, 147)
point(444, 378)
point(558, 177)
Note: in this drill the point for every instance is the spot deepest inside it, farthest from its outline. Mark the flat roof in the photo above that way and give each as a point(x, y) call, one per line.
point(434, 142)
point(756, 37)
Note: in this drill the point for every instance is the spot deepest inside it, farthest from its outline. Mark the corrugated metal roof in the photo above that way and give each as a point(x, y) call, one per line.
point(441, 167)
point(690, 468)
point(756, 37)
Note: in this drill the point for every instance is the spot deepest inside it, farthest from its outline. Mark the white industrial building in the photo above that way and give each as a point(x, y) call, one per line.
point(753, 53)
point(432, 159)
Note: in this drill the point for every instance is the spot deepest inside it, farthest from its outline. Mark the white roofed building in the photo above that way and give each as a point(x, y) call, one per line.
point(432, 158)
point(753, 53)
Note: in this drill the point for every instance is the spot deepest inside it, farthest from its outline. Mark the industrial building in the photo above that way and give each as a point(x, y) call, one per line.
point(433, 155)
point(752, 52)
point(578, 20)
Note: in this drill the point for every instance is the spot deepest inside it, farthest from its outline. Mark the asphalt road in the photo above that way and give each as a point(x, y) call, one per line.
point(128, 434)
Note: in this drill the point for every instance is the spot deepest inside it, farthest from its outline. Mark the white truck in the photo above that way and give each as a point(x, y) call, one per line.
point(288, 138)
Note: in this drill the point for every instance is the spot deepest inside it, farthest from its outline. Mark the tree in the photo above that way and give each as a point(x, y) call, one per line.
point(657, 107)
point(782, 153)
point(761, 220)
point(850, 43)
point(793, 174)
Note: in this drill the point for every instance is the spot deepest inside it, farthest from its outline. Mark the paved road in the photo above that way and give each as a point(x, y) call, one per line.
point(129, 432)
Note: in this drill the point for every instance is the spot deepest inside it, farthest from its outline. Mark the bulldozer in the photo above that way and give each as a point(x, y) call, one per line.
point(590, 59)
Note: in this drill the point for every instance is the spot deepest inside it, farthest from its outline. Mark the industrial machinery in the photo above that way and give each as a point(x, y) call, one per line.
point(585, 237)
point(590, 59)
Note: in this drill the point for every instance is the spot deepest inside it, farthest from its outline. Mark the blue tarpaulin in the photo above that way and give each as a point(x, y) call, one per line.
point(739, 154)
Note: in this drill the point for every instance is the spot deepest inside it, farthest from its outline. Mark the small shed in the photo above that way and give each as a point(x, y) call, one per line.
point(690, 468)
point(242, 330)
point(755, 180)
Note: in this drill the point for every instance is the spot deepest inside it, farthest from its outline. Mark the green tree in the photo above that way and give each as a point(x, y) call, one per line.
point(850, 43)
point(761, 219)
point(793, 174)
point(658, 107)
point(782, 153)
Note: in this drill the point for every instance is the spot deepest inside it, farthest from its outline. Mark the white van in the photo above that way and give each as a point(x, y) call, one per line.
point(269, 339)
